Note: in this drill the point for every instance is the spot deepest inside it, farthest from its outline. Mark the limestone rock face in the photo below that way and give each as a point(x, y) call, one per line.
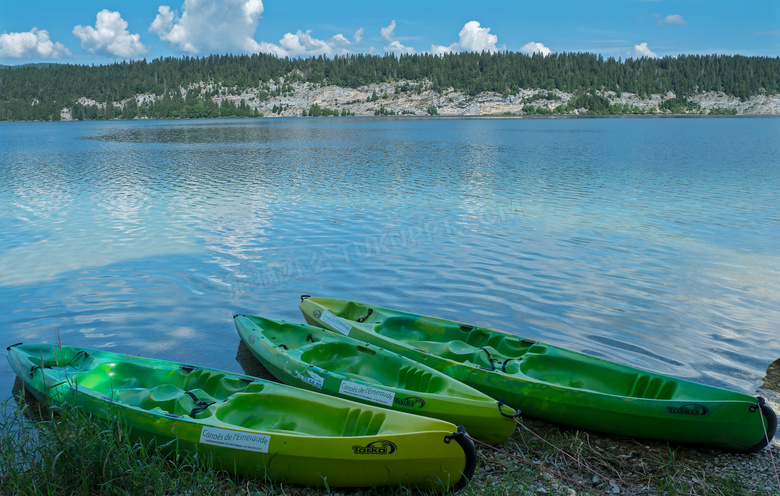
point(417, 98)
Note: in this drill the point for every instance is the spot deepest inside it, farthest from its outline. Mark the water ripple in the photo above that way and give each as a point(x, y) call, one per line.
point(647, 241)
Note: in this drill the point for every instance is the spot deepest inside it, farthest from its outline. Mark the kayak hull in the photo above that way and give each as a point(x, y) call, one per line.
point(556, 384)
point(319, 360)
point(249, 426)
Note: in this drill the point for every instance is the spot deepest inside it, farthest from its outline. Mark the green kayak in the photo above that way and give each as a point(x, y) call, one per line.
point(250, 426)
point(317, 359)
point(556, 384)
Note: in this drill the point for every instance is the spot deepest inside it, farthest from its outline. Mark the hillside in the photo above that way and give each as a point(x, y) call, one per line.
point(457, 84)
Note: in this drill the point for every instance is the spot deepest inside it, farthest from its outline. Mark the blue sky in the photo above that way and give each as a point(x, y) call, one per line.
point(107, 31)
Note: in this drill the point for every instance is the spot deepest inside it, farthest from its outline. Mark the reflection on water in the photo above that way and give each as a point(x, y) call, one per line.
point(250, 364)
point(34, 410)
point(651, 242)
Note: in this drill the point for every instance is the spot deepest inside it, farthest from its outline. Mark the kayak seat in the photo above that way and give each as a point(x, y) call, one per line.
point(335, 357)
point(572, 372)
point(457, 342)
point(346, 359)
point(506, 345)
point(275, 410)
point(459, 351)
point(216, 385)
point(455, 350)
point(512, 347)
point(161, 397)
point(228, 386)
point(404, 329)
point(108, 377)
point(165, 398)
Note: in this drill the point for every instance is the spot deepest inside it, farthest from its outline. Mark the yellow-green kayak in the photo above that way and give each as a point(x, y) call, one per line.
point(250, 426)
point(320, 360)
point(556, 384)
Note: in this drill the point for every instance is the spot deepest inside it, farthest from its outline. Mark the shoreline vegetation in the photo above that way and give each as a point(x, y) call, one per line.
point(67, 452)
point(463, 84)
point(45, 452)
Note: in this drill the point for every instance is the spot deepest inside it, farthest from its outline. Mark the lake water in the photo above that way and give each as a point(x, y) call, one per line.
point(650, 241)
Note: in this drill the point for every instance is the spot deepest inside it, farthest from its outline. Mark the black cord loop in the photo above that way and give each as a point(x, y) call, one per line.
point(363, 319)
point(490, 358)
point(202, 405)
point(513, 416)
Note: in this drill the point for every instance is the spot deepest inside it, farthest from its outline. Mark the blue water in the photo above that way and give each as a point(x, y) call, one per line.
point(653, 242)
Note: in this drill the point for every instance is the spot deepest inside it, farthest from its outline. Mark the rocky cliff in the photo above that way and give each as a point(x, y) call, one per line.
point(385, 99)
point(413, 98)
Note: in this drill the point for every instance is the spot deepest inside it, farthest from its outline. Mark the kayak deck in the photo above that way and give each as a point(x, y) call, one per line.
point(556, 384)
point(250, 426)
point(320, 360)
point(544, 363)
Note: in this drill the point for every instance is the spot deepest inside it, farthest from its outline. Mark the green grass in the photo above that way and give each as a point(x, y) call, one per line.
point(70, 453)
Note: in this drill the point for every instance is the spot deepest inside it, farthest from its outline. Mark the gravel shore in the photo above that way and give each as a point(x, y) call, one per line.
point(577, 461)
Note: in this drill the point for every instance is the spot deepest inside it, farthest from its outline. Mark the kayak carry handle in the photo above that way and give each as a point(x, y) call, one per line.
point(16, 344)
point(303, 297)
point(769, 422)
point(363, 319)
point(501, 411)
point(761, 402)
point(465, 442)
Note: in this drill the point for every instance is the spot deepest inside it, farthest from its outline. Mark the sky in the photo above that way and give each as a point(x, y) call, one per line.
point(99, 32)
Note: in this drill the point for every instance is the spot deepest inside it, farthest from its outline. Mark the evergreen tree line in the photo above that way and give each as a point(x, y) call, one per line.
point(40, 92)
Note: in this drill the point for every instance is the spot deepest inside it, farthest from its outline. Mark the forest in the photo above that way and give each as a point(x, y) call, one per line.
point(40, 92)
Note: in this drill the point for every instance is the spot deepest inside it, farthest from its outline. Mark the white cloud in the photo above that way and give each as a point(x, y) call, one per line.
point(532, 48)
point(303, 44)
point(642, 50)
point(387, 32)
point(391, 45)
point(210, 25)
point(33, 43)
point(441, 50)
point(672, 20)
point(230, 25)
point(110, 35)
point(472, 38)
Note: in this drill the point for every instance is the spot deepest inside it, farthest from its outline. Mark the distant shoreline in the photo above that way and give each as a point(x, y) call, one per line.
point(306, 100)
point(462, 84)
point(420, 118)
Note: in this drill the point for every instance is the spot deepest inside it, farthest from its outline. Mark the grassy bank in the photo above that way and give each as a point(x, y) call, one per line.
point(43, 452)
